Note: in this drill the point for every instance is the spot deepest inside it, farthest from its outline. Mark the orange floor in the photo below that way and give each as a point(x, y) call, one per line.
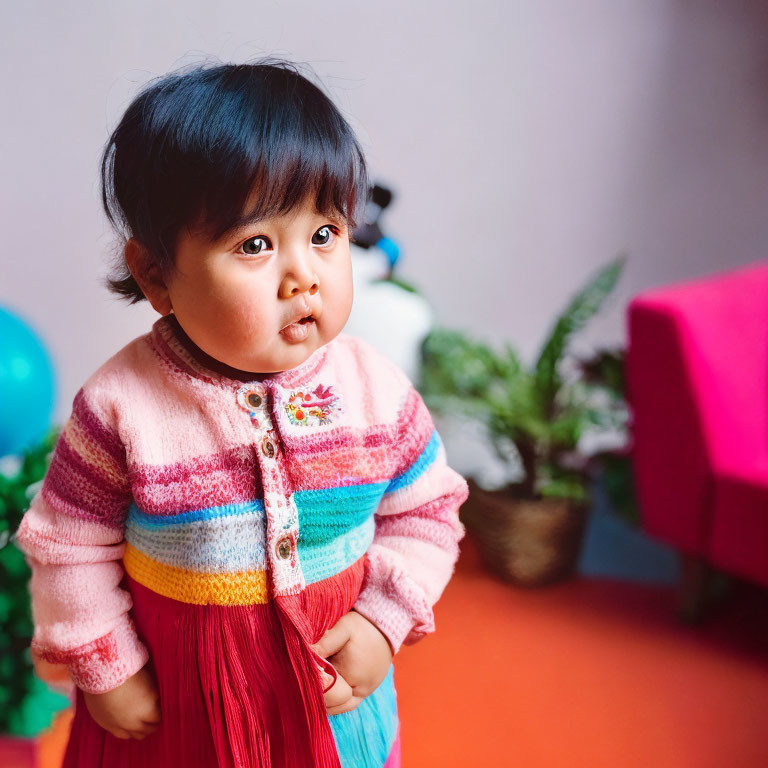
point(585, 673)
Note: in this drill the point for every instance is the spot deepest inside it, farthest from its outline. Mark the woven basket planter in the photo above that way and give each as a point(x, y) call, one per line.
point(530, 542)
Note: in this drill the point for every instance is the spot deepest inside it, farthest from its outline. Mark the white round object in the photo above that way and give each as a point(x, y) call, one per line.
point(393, 320)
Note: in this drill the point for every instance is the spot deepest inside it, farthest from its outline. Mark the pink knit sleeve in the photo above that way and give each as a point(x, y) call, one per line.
point(72, 537)
point(415, 546)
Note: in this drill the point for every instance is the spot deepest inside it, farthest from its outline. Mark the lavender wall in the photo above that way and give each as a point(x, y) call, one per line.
point(528, 143)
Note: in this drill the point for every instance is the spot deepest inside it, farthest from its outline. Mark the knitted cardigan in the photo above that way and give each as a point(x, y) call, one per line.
point(213, 487)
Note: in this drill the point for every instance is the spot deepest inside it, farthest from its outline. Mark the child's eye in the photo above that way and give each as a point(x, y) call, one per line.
point(255, 245)
point(324, 233)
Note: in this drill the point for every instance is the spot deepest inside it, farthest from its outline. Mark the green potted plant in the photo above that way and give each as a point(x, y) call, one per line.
point(530, 531)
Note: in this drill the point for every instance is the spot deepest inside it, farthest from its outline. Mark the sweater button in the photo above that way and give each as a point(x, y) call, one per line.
point(268, 448)
point(251, 397)
point(283, 548)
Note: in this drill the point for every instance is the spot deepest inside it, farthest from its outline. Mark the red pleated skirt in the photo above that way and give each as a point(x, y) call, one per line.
point(238, 686)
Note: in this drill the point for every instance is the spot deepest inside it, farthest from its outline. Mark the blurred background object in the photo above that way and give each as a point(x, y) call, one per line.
point(387, 312)
point(27, 387)
point(698, 376)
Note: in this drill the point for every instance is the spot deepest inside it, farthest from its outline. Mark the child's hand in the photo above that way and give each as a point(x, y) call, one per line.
point(361, 655)
point(130, 711)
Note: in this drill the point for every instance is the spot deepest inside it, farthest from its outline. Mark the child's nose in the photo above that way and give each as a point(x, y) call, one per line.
point(299, 277)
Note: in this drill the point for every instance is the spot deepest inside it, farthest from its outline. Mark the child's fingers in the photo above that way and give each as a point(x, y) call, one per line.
point(146, 729)
point(332, 641)
point(339, 693)
point(153, 717)
point(348, 706)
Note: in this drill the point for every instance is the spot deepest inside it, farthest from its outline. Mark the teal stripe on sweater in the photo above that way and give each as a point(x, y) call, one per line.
point(137, 517)
point(327, 513)
point(364, 736)
point(318, 562)
point(420, 466)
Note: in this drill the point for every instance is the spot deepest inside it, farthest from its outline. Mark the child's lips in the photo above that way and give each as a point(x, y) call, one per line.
point(298, 331)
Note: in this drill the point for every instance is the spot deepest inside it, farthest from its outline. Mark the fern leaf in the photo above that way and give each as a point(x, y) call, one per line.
point(581, 309)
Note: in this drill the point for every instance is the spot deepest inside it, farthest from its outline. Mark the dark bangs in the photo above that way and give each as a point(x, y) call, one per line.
point(195, 148)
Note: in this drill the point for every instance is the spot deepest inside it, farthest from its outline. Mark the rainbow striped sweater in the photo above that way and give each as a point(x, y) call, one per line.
point(212, 489)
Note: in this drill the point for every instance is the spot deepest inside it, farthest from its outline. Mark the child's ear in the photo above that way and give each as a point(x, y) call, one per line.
point(147, 274)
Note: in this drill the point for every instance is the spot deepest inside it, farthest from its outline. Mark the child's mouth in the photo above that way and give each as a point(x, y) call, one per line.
point(298, 331)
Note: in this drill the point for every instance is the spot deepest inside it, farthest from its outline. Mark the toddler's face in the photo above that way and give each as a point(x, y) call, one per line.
point(267, 295)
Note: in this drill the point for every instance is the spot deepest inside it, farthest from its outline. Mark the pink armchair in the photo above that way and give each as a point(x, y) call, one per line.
point(697, 380)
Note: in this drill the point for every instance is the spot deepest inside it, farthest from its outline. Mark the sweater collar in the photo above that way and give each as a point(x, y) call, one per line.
point(172, 342)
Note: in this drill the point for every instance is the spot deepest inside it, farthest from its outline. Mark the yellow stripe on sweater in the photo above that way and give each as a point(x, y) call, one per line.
point(240, 588)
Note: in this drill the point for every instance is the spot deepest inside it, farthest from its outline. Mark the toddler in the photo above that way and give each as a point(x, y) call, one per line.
point(247, 513)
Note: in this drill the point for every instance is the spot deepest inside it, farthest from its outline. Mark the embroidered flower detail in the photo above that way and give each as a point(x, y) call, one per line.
point(312, 408)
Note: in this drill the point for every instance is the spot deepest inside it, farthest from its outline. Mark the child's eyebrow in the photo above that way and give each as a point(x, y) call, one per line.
point(252, 219)
point(246, 220)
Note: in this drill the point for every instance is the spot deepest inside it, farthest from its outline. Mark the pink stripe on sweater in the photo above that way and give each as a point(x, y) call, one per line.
point(414, 430)
point(86, 477)
point(424, 525)
point(209, 481)
point(72, 486)
point(420, 491)
point(96, 429)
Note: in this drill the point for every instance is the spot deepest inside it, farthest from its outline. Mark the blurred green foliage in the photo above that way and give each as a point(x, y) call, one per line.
point(533, 415)
point(26, 703)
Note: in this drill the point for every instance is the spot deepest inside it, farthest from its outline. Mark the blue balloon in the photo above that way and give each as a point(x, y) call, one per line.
point(27, 386)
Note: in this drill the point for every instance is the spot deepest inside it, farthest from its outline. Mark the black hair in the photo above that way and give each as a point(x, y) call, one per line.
point(193, 145)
